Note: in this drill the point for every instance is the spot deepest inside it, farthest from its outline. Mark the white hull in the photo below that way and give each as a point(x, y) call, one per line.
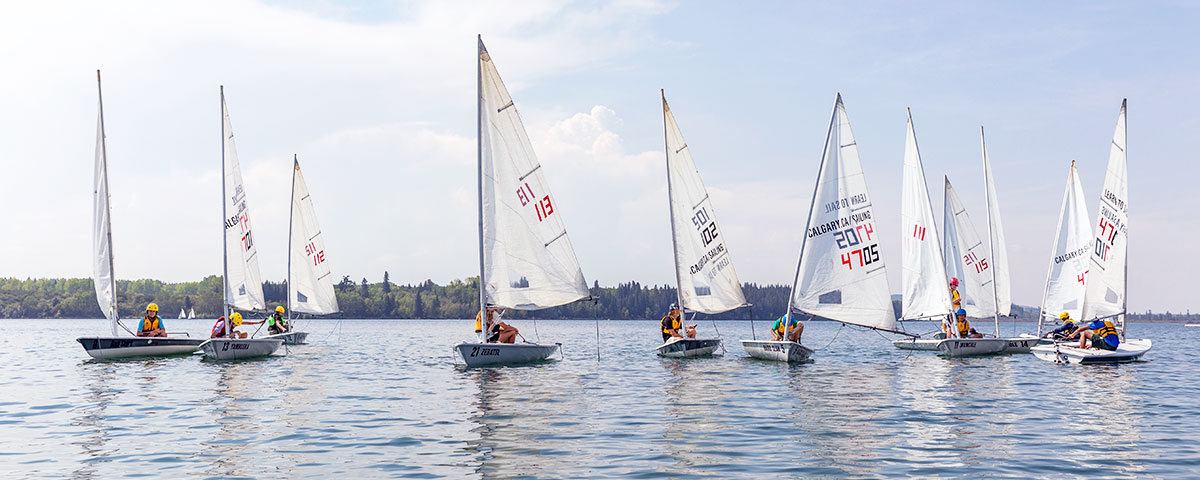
point(689, 347)
point(291, 338)
point(1020, 344)
point(488, 354)
point(971, 347)
point(777, 350)
point(236, 349)
point(125, 347)
point(1128, 351)
point(924, 344)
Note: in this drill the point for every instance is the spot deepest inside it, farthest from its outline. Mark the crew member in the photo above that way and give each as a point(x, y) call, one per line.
point(1067, 330)
point(963, 327)
point(787, 327)
point(1101, 334)
point(151, 325)
point(955, 298)
point(218, 330)
point(671, 323)
point(495, 330)
point(276, 323)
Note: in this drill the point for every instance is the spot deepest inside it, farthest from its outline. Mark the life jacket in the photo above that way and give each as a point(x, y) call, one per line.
point(956, 298)
point(218, 329)
point(1109, 333)
point(670, 323)
point(149, 325)
point(271, 321)
point(964, 328)
point(781, 325)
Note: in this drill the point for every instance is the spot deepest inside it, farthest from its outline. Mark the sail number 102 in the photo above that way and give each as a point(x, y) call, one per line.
point(542, 207)
point(704, 223)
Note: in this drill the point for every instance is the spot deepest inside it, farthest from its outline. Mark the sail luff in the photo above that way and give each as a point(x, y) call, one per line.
point(992, 245)
point(924, 295)
point(224, 217)
point(104, 279)
point(1107, 281)
point(479, 133)
point(965, 249)
point(310, 282)
point(291, 285)
point(670, 201)
point(812, 205)
point(1067, 271)
point(238, 234)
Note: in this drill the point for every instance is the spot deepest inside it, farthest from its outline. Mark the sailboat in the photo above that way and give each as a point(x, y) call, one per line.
point(840, 274)
point(925, 295)
point(704, 274)
point(310, 283)
point(243, 284)
point(526, 261)
point(191, 312)
point(1067, 275)
point(115, 346)
point(1105, 292)
point(182, 314)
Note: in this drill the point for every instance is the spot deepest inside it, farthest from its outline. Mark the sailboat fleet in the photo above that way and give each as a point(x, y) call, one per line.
point(527, 262)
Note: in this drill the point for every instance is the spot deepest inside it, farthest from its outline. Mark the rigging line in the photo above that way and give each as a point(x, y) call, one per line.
point(753, 336)
point(125, 328)
point(839, 332)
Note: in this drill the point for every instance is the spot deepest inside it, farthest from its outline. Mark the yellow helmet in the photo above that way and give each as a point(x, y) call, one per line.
point(1064, 316)
point(153, 307)
point(236, 318)
point(279, 309)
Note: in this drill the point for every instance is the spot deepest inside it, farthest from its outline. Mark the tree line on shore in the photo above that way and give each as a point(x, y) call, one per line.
point(75, 298)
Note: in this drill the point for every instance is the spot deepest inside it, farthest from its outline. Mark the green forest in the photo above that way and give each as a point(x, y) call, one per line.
point(75, 298)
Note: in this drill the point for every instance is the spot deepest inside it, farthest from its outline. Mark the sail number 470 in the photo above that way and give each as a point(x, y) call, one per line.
point(543, 207)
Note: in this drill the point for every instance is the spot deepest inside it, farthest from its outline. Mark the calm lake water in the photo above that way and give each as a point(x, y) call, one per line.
point(383, 399)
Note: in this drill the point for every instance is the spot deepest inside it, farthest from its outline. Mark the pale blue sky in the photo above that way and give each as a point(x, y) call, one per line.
point(377, 98)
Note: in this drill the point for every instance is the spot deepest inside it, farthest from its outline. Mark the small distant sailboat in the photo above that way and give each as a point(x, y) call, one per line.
point(1067, 275)
point(924, 295)
point(182, 314)
point(310, 283)
point(840, 274)
point(105, 280)
point(243, 284)
point(526, 261)
point(1107, 279)
point(191, 313)
point(704, 274)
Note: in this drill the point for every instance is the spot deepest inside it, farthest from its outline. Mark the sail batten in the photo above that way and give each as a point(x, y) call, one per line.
point(527, 261)
point(310, 286)
point(840, 273)
point(923, 276)
point(707, 282)
point(243, 280)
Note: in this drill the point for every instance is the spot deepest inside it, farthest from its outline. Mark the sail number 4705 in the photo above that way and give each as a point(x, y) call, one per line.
point(854, 237)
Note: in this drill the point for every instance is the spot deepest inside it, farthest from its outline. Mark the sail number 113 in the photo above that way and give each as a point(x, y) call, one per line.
point(543, 207)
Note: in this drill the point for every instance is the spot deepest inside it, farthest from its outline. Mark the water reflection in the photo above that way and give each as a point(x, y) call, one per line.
point(99, 392)
point(692, 397)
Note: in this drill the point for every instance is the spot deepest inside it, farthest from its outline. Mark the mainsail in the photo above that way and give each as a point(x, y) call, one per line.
point(310, 283)
point(243, 284)
point(923, 274)
point(966, 258)
point(997, 246)
point(1066, 279)
point(1106, 275)
point(527, 261)
point(102, 256)
point(703, 268)
point(841, 275)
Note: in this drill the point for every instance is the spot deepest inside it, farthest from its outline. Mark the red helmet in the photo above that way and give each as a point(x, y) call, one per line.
point(954, 281)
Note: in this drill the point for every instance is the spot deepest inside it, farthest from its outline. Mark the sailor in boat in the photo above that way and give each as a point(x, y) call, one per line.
point(963, 326)
point(672, 322)
point(1067, 330)
point(276, 324)
point(497, 331)
point(947, 327)
point(151, 325)
point(218, 330)
point(1101, 334)
point(787, 322)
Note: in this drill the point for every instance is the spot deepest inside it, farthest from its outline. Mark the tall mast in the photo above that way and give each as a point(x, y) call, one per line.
point(987, 194)
point(811, 205)
point(291, 228)
point(479, 155)
point(1125, 284)
point(112, 277)
point(670, 206)
point(224, 218)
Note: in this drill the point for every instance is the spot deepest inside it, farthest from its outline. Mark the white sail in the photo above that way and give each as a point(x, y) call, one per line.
point(182, 314)
point(1106, 275)
point(703, 268)
point(191, 313)
point(967, 259)
point(528, 261)
point(923, 274)
point(1066, 279)
point(841, 275)
point(243, 284)
point(997, 246)
point(102, 256)
point(310, 283)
